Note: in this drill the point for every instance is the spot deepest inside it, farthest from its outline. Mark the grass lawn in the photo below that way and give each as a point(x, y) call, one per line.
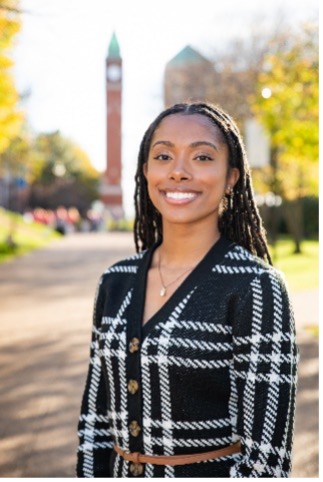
point(301, 270)
point(26, 235)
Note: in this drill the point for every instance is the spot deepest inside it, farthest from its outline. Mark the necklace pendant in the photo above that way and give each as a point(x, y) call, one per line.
point(163, 291)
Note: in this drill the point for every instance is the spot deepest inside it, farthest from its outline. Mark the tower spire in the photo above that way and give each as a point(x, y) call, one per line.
point(114, 48)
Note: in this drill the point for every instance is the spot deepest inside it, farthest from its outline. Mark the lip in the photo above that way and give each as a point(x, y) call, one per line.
point(179, 196)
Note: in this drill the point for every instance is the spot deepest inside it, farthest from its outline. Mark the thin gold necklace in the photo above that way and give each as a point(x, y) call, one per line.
point(164, 287)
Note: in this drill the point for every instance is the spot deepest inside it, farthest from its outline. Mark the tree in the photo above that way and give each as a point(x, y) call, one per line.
point(283, 60)
point(287, 105)
point(10, 117)
point(62, 174)
point(238, 65)
point(10, 6)
point(15, 168)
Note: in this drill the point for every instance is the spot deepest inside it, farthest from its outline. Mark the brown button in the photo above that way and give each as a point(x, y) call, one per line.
point(133, 386)
point(134, 345)
point(134, 428)
point(136, 469)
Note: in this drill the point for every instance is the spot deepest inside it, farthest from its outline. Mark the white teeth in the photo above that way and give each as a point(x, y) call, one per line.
point(180, 195)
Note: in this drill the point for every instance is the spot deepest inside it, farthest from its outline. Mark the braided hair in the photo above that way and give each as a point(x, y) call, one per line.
point(239, 218)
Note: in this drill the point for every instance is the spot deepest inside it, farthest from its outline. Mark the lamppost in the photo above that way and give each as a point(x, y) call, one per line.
point(272, 200)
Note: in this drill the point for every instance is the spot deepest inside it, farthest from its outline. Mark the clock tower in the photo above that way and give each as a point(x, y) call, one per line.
point(111, 192)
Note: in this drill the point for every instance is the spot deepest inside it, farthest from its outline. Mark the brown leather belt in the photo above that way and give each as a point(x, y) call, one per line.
point(139, 458)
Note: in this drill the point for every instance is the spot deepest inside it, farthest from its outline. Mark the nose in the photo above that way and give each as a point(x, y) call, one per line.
point(179, 170)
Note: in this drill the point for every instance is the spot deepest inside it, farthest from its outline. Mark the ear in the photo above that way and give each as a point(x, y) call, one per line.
point(233, 177)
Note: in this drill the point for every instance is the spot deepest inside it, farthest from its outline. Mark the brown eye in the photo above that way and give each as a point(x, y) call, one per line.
point(204, 157)
point(162, 157)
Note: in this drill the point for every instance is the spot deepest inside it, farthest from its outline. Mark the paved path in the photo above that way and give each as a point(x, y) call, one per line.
point(45, 310)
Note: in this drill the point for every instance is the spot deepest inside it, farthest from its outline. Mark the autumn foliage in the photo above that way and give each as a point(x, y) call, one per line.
point(10, 116)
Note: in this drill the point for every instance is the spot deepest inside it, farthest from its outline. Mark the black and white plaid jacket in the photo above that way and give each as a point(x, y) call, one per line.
point(215, 365)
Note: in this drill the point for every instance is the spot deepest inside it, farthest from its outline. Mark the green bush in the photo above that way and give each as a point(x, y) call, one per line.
point(119, 225)
point(18, 236)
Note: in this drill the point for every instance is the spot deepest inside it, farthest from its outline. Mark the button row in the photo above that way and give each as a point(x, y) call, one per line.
point(134, 428)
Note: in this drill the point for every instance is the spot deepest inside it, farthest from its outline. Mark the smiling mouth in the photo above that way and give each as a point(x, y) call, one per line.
point(180, 195)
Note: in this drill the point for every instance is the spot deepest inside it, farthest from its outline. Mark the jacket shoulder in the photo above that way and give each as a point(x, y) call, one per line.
point(127, 265)
point(239, 260)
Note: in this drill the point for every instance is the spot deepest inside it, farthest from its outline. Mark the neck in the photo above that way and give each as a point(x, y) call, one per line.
point(186, 246)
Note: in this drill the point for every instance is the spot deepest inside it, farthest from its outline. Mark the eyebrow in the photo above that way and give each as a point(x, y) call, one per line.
point(204, 143)
point(193, 144)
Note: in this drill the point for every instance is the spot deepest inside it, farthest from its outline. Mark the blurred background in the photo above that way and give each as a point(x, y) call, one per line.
point(79, 84)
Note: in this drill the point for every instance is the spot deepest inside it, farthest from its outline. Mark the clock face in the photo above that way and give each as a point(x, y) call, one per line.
point(113, 72)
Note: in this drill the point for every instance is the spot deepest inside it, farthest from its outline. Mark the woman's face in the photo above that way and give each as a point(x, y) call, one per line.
point(187, 170)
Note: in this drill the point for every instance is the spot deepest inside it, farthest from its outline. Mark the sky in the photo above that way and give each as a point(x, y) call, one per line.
point(61, 50)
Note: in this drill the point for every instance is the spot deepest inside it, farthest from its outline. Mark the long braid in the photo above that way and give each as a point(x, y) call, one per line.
point(239, 218)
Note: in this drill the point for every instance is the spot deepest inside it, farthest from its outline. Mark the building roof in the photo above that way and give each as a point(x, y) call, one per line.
point(114, 49)
point(187, 55)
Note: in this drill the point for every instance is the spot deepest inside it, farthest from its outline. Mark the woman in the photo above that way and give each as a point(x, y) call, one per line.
point(193, 356)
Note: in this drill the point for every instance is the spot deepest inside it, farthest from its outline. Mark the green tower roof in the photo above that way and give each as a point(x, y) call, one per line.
point(187, 55)
point(114, 49)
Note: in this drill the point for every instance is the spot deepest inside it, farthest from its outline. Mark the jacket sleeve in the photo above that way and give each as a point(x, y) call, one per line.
point(95, 443)
point(265, 367)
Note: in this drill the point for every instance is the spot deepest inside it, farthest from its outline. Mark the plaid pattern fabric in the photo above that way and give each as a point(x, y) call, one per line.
point(215, 365)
